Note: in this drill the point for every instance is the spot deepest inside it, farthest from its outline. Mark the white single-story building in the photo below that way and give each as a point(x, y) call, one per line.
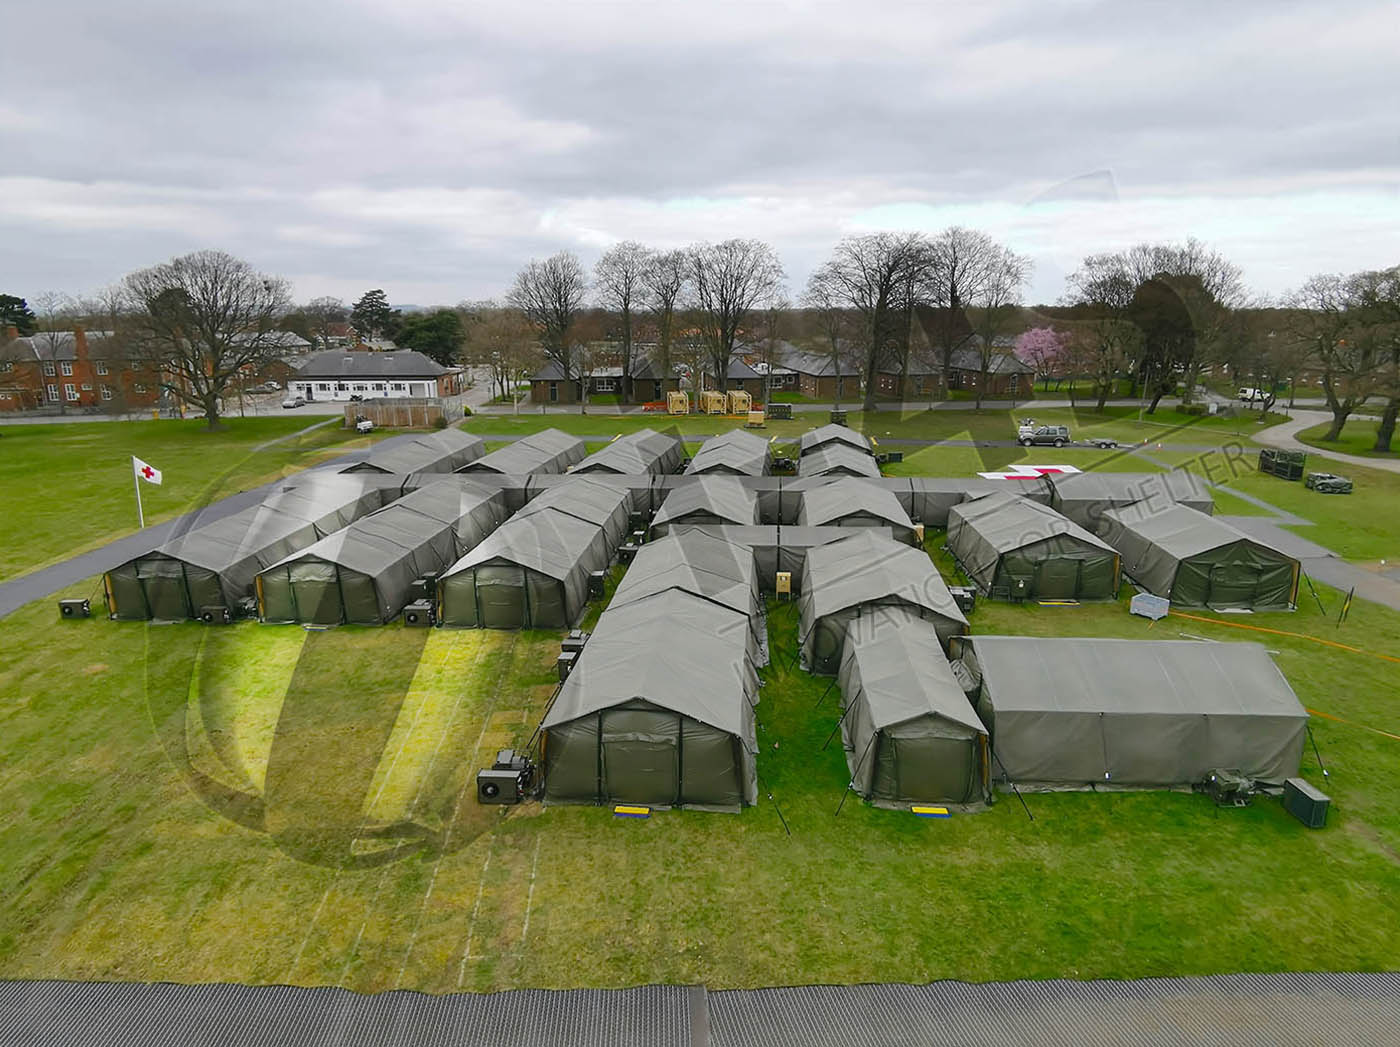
point(339, 375)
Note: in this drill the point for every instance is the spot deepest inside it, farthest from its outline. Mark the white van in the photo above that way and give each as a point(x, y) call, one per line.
point(1253, 396)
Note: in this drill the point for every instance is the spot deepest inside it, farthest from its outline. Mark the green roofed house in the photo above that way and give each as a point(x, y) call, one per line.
point(547, 451)
point(364, 574)
point(847, 579)
point(855, 503)
point(1196, 560)
point(211, 567)
point(837, 459)
point(707, 500)
point(631, 727)
point(1012, 547)
point(440, 452)
point(910, 734)
point(735, 453)
point(1069, 713)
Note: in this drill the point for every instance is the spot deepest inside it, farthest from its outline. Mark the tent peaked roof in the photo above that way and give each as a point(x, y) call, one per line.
point(440, 452)
point(833, 433)
point(550, 542)
point(709, 677)
point(843, 497)
point(693, 562)
point(904, 673)
point(837, 458)
point(548, 451)
point(643, 451)
point(1156, 676)
point(1007, 522)
point(868, 567)
point(724, 497)
point(735, 452)
point(1178, 529)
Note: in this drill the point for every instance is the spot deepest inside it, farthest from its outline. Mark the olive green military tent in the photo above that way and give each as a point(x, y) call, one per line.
point(704, 565)
point(931, 497)
point(837, 459)
point(825, 435)
point(735, 453)
point(849, 578)
point(910, 734)
point(776, 549)
point(442, 452)
point(1196, 560)
point(531, 573)
point(707, 500)
point(1085, 497)
point(364, 573)
point(1069, 713)
point(213, 565)
point(547, 451)
point(1010, 546)
point(855, 503)
point(644, 451)
point(631, 726)
point(591, 499)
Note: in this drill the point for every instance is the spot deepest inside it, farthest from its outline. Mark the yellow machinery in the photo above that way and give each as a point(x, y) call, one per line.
point(755, 421)
point(740, 402)
point(783, 584)
point(677, 403)
point(712, 402)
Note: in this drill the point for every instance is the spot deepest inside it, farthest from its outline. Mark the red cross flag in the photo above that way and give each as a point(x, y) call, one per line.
point(144, 471)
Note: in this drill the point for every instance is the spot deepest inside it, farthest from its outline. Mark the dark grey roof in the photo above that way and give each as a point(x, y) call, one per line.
point(819, 364)
point(54, 346)
point(553, 371)
point(400, 364)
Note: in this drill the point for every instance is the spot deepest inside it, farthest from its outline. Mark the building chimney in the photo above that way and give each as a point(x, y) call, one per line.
point(9, 333)
point(80, 346)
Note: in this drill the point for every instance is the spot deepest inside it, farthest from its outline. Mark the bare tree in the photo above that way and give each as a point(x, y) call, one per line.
point(958, 272)
point(728, 281)
point(201, 319)
point(664, 284)
point(1375, 298)
point(619, 284)
point(550, 294)
point(825, 296)
point(1105, 339)
point(871, 276)
point(768, 339)
point(1323, 319)
point(502, 340)
point(996, 301)
point(324, 313)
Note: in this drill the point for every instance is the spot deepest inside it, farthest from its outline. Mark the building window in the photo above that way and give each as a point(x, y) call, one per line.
point(398, 387)
point(1015, 382)
point(87, 387)
point(323, 387)
point(138, 387)
point(656, 390)
point(553, 392)
point(49, 372)
point(6, 366)
point(70, 391)
point(67, 369)
point(101, 367)
point(52, 391)
point(106, 392)
point(378, 387)
point(604, 385)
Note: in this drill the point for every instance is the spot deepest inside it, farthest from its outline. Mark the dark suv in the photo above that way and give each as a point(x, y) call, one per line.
point(1055, 435)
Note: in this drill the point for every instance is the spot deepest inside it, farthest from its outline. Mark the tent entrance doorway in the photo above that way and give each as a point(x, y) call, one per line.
point(1057, 579)
point(1233, 585)
point(641, 758)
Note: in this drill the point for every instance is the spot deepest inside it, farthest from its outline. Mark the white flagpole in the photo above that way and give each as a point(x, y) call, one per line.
point(140, 513)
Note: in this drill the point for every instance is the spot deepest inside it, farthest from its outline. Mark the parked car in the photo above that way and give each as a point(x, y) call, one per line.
point(363, 425)
point(1328, 483)
point(294, 401)
point(1253, 396)
point(1055, 435)
point(268, 387)
point(1026, 429)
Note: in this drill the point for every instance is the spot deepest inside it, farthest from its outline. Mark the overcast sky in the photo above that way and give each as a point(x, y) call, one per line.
point(431, 148)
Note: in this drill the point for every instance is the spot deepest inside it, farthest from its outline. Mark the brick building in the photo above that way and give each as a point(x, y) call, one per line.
point(78, 370)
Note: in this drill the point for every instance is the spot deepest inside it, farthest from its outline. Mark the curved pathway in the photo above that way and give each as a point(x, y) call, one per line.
point(1285, 436)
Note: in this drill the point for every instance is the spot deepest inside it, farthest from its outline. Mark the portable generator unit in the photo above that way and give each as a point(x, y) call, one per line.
point(1228, 788)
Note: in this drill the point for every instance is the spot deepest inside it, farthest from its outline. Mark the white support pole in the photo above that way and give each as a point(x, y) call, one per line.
point(140, 513)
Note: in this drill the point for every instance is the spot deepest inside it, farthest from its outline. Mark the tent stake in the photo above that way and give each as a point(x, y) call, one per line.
point(769, 793)
point(838, 727)
point(859, 763)
point(826, 692)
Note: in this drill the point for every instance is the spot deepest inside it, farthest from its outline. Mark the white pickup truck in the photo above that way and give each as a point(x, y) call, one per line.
point(1252, 396)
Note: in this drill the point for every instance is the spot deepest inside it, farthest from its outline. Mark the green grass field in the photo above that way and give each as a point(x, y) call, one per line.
point(1358, 437)
point(70, 485)
point(269, 804)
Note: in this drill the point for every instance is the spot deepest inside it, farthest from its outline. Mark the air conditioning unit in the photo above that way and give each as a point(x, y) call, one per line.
point(418, 614)
point(784, 464)
point(565, 664)
point(639, 537)
point(74, 609)
point(423, 589)
point(508, 780)
point(890, 457)
point(627, 553)
point(965, 596)
point(1305, 803)
point(597, 582)
point(215, 615)
point(782, 583)
point(574, 642)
